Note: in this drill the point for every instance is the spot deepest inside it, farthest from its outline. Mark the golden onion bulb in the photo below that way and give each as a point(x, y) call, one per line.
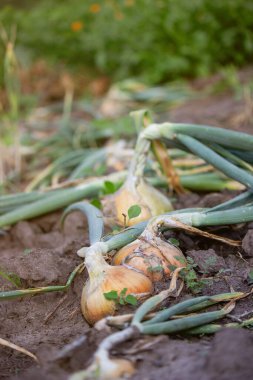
point(115, 368)
point(95, 306)
point(151, 201)
point(154, 258)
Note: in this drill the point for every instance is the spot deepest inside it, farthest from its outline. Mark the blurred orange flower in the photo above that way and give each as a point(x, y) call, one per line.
point(95, 8)
point(76, 26)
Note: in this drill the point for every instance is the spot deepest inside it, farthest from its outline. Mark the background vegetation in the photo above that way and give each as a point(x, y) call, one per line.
point(153, 40)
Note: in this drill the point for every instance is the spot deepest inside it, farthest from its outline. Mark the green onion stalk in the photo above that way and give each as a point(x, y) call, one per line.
point(219, 147)
point(213, 328)
point(190, 137)
point(111, 368)
point(55, 200)
point(65, 164)
point(19, 293)
point(192, 217)
point(23, 206)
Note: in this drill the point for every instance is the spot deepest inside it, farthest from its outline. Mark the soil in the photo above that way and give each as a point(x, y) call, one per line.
point(40, 254)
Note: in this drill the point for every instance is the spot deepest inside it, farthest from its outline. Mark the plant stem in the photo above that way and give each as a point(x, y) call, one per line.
point(182, 324)
point(216, 160)
point(54, 201)
point(232, 139)
point(94, 216)
point(12, 294)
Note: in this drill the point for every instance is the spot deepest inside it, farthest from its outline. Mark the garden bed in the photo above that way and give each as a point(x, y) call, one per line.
point(41, 254)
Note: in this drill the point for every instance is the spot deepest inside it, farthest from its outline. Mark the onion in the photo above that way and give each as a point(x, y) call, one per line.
point(152, 256)
point(104, 278)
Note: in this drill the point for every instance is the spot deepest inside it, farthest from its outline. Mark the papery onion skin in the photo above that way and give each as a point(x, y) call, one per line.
point(151, 201)
point(124, 199)
point(144, 256)
point(95, 306)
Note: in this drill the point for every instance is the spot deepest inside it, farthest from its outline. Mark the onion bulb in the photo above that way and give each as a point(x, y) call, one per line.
point(104, 278)
point(151, 201)
point(152, 256)
point(115, 368)
point(107, 368)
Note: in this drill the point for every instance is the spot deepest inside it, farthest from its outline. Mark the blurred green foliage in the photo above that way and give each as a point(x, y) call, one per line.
point(155, 40)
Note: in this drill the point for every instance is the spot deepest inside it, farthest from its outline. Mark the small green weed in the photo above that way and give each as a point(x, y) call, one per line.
point(27, 251)
point(122, 298)
point(157, 268)
point(174, 242)
point(109, 187)
point(11, 277)
point(188, 274)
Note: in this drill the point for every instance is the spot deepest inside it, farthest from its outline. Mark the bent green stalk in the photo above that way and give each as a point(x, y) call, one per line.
point(94, 216)
point(194, 138)
point(12, 294)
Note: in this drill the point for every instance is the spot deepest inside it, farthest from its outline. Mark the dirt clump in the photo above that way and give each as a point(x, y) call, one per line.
point(230, 356)
point(207, 261)
point(247, 243)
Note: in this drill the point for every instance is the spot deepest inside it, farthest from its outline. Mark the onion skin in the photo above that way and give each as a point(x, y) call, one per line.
point(95, 306)
point(144, 255)
point(124, 199)
point(151, 201)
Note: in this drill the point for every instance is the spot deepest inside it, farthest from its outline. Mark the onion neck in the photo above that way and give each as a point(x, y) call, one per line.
point(139, 160)
point(94, 260)
point(148, 235)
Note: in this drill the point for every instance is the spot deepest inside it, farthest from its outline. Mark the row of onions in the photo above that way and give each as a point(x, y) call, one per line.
point(133, 260)
point(228, 152)
point(191, 173)
point(141, 246)
point(139, 249)
point(150, 249)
